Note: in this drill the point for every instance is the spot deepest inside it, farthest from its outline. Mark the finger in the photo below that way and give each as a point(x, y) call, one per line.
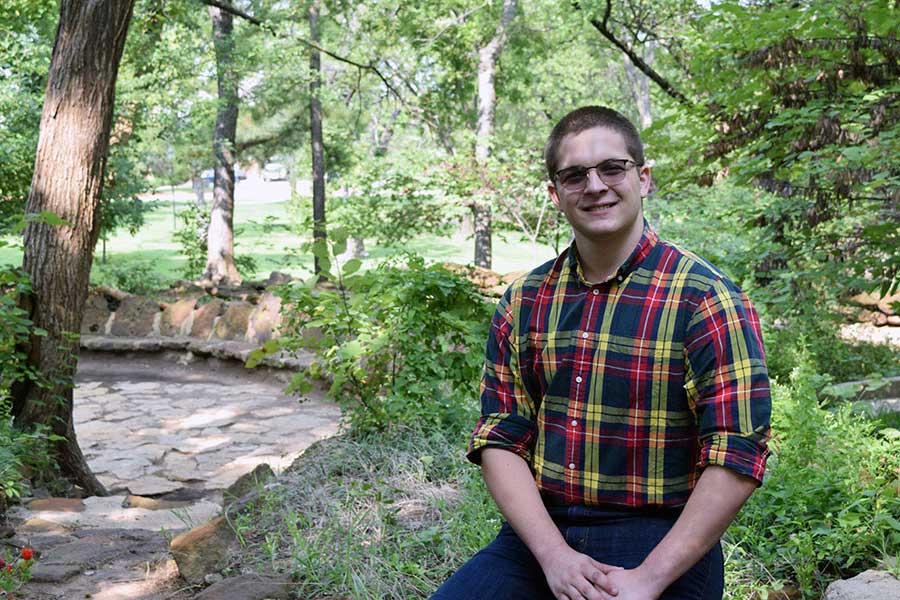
point(588, 591)
point(602, 582)
point(605, 568)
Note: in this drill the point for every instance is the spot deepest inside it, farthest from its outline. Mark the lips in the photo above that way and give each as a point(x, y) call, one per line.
point(599, 207)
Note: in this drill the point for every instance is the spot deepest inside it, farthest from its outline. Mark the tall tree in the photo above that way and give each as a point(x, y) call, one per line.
point(68, 181)
point(487, 100)
point(220, 268)
point(315, 127)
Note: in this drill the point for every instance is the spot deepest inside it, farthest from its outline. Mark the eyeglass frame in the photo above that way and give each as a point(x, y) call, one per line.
point(598, 171)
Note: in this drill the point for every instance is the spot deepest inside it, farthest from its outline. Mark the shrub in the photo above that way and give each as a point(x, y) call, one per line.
point(830, 506)
point(192, 239)
point(134, 277)
point(23, 454)
point(400, 344)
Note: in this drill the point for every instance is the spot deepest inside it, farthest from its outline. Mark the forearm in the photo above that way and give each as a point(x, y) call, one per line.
point(511, 483)
point(713, 504)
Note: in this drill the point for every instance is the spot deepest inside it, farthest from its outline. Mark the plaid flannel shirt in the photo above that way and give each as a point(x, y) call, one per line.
point(619, 393)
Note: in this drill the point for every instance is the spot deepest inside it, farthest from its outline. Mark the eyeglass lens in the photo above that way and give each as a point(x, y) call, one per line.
point(611, 172)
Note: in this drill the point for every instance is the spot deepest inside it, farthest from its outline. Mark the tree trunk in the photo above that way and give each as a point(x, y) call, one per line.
point(199, 187)
point(315, 126)
point(639, 84)
point(487, 100)
point(68, 181)
point(220, 267)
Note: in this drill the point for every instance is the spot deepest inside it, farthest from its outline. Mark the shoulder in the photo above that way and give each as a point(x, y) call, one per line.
point(697, 274)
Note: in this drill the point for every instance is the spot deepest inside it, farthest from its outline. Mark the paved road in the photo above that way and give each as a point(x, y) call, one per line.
point(252, 190)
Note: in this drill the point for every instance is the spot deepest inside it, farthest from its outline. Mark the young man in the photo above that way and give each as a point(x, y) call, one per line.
point(625, 399)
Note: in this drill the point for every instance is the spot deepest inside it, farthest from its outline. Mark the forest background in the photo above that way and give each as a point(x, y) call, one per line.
point(770, 126)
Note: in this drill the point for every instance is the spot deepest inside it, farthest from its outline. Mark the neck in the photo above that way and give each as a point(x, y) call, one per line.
point(601, 258)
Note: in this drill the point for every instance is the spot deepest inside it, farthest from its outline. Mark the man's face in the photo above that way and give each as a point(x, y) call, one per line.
point(601, 212)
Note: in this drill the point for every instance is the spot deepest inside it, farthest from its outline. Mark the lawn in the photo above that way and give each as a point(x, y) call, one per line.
point(270, 234)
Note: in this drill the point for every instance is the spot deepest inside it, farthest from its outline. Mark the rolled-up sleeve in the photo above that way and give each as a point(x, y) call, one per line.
point(727, 382)
point(507, 411)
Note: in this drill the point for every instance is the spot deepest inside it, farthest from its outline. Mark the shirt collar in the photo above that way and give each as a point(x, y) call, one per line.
point(648, 241)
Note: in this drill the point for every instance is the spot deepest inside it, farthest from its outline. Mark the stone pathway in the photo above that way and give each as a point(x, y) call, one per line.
point(166, 439)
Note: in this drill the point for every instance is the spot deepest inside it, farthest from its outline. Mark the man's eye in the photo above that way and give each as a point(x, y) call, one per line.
point(612, 170)
point(574, 177)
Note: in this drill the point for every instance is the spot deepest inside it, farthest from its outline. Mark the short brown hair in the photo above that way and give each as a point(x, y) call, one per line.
point(588, 117)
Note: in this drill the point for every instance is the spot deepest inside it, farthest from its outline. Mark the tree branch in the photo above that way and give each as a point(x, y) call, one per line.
point(603, 28)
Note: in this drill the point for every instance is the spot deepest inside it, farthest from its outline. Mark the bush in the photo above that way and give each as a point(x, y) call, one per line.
point(23, 454)
point(400, 344)
point(192, 239)
point(830, 506)
point(134, 277)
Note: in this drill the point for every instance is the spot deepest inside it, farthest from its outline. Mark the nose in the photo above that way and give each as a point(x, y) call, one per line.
point(594, 183)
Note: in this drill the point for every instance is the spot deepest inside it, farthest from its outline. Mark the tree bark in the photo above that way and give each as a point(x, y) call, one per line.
point(220, 267)
point(315, 127)
point(68, 180)
point(640, 85)
point(487, 100)
point(199, 187)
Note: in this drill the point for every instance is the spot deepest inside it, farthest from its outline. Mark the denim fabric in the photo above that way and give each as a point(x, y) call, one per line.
point(506, 569)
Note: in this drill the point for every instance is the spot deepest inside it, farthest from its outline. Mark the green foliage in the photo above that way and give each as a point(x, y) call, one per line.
point(134, 277)
point(400, 344)
point(23, 454)
point(387, 516)
point(830, 506)
point(192, 238)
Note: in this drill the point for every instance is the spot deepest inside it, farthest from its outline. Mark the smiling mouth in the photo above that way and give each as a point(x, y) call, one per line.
point(599, 207)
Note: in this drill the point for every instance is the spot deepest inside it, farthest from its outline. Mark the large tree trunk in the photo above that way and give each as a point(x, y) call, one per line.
point(199, 187)
point(639, 85)
point(68, 181)
point(487, 100)
point(220, 267)
point(315, 126)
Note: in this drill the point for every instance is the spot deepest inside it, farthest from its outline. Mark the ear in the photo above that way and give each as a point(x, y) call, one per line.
point(554, 196)
point(645, 180)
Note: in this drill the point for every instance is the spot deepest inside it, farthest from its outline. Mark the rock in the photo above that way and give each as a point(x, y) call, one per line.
point(132, 501)
point(57, 505)
point(248, 482)
point(204, 317)
point(265, 319)
point(39, 525)
point(247, 587)
point(868, 585)
point(135, 317)
point(893, 320)
point(234, 322)
point(865, 299)
point(95, 548)
point(203, 550)
point(96, 314)
point(6, 532)
point(174, 316)
point(278, 278)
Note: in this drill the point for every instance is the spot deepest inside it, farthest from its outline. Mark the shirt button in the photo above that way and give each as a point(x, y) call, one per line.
point(584, 335)
point(574, 423)
point(619, 278)
point(578, 379)
point(596, 291)
point(571, 465)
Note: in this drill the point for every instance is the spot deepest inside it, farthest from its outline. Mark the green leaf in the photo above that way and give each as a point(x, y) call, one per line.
point(352, 266)
point(352, 349)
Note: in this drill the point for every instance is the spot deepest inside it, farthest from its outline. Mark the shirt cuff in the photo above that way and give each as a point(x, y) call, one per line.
point(502, 430)
point(741, 453)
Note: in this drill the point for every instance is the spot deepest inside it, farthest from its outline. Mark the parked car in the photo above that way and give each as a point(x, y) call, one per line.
point(274, 171)
point(209, 175)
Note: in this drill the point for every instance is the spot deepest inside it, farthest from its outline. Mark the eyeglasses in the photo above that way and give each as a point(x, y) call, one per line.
point(611, 172)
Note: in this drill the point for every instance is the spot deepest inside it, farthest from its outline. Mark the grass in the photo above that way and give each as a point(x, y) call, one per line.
point(386, 518)
point(268, 233)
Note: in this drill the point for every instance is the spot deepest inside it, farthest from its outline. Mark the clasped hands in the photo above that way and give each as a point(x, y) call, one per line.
point(572, 575)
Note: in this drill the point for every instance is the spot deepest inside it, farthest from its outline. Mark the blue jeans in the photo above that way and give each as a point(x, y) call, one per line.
point(506, 569)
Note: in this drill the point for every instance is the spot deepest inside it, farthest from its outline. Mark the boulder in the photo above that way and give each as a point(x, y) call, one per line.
point(868, 585)
point(247, 587)
point(204, 549)
point(265, 319)
point(234, 322)
point(135, 317)
point(204, 317)
point(57, 505)
point(247, 483)
point(278, 278)
point(174, 316)
point(96, 314)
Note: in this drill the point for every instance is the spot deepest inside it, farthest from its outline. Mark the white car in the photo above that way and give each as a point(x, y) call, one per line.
point(274, 172)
